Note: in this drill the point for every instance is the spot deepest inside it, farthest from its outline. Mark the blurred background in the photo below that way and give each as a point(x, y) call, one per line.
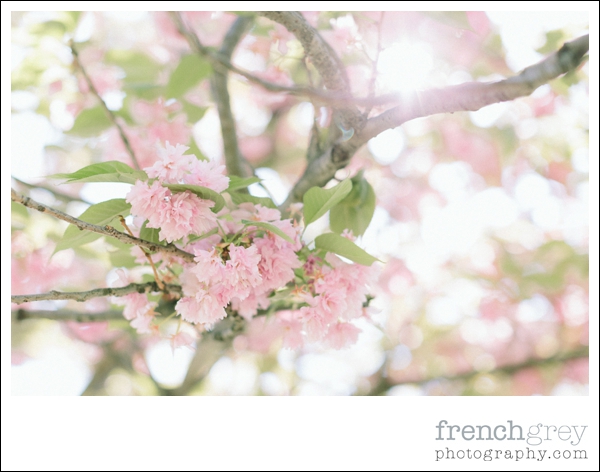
point(481, 217)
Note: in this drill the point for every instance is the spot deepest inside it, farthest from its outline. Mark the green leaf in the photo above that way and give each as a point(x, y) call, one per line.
point(239, 198)
point(318, 201)
point(236, 182)
point(548, 282)
point(138, 67)
point(100, 214)
point(202, 192)
point(337, 244)
point(144, 90)
point(570, 78)
point(355, 211)
point(70, 19)
point(122, 258)
point(190, 71)
point(16, 209)
point(268, 227)
point(193, 112)
point(554, 40)
point(149, 234)
point(110, 171)
point(456, 19)
point(49, 28)
point(90, 122)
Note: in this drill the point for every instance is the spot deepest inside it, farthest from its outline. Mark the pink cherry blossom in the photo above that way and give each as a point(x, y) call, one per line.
point(341, 335)
point(347, 233)
point(209, 267)
point(137, 305)
point(263, 213)
point(277, 264)
point(148, 201)
point(183, 214)
point(176, 215)
point(143, 323)
point(172, 165)
point(291, 327)
point(182, 339)
point(208, 174)
point(248, 306)
point(138, 309)
point(333, 301)
point(261, 333)
point(315, 322)
point(241, 270)
point(203, 308)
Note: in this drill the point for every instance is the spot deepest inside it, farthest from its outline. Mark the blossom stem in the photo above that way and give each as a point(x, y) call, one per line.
point(224, 234)
point(148, 257)
point(168, 318)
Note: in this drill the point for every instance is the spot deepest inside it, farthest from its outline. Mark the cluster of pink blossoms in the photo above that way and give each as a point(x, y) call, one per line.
point(241, 266)
point(177, 214)
point(243, 275)
point(334, 295)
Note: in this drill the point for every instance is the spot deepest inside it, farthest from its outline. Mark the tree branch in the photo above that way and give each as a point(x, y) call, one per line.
point(465, 97)
point(584, 352)
point(208, 351)
point(104, 230)
point(326, 62)
point(102, 370)
point(96, 293)
point(475, 95)
point(165, 308)
point(113, 357)
point(222, 64)
point(235, 162)
point(111, 116)
point(67, 315)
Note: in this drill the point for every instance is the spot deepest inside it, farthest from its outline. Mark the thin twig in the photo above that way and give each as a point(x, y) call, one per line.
point(63, 197)
point(374, 63)
point(221, 65)
point(111, 116)
point(96, 293)
point(104, 230)
point(148, 256)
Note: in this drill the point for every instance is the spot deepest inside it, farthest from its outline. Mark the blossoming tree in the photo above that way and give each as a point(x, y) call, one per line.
point(272, 209)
